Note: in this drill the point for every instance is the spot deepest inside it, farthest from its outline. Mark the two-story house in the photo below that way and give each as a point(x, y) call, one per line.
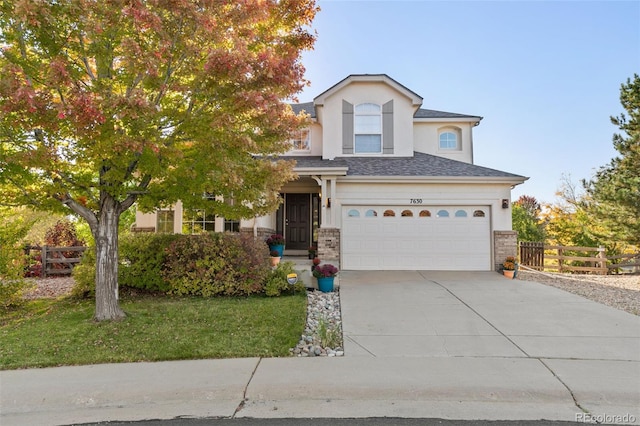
point(382, 184)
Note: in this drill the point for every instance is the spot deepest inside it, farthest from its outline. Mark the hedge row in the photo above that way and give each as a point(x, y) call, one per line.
point(215, 264)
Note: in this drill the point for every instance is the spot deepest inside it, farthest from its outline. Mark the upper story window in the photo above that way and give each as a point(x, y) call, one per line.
point(367, 129)
point(449, 139)
point(301, 140)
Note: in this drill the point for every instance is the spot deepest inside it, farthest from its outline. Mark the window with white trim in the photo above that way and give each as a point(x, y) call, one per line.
point(165, 221)
point(367, 125)
point(301, 140)
point(197, 221)
point(449, 139)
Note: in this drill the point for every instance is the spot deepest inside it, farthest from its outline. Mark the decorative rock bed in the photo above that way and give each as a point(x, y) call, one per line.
point(323, 332)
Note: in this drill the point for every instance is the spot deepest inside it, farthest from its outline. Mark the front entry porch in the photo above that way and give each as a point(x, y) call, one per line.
point(298, 220)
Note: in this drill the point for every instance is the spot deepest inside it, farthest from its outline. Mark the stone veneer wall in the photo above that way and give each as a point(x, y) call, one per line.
point(505, 243)
point(328, 243)
point(263, 233)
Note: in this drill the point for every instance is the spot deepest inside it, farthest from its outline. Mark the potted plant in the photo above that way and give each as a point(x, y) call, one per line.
point(509, 267)
point(276, 242)
point(325, 274)
point(315, 262)
point(312, 252)
point(275, 257)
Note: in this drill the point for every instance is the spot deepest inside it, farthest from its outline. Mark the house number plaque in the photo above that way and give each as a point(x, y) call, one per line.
point(415, 200)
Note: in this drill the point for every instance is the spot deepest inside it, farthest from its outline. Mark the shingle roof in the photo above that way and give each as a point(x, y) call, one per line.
point(420, 164)
point(431, 113)
point(310, 108)
point(306, 106)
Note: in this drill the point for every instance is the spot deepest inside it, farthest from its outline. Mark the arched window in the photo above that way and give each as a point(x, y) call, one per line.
point(461, 213)
point(406, 213)
point(389, 213)
point(367, 126)
point(478, 213)
point(442, 213)
point(371, 213)
point(353, 213)
point(425, 213)
point(449, 138)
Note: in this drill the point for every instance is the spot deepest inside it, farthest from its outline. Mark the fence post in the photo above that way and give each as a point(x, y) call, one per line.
point(602, 264)
point(560, 260)
point(43, 260)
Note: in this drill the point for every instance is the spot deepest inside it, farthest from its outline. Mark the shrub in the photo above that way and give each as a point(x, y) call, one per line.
point(216, 265)
point(84, 275)
point(141, 257)
point(12, 261)
point(277, 281)
point(12, 285)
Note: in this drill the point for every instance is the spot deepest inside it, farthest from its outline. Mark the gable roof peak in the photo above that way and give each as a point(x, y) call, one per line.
point(382, 78)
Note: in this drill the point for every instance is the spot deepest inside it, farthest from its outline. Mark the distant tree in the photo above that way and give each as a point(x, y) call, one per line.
point(568, 223)
point(108, 103)
point(525, 213)
point(614, 191)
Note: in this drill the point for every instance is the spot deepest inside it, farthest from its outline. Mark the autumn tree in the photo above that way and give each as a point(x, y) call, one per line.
point(568, 223)
point(614, 191)
point(109, 103)
point(525, 213)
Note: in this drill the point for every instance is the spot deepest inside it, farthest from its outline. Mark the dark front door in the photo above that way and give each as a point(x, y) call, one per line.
point(297, 225)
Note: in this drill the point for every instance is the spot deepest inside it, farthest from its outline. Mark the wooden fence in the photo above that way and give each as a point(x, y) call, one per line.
point(593, 260)
point(57, 260)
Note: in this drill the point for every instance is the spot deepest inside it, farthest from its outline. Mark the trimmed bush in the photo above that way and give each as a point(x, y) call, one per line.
point(216, 265)
point(142, 257)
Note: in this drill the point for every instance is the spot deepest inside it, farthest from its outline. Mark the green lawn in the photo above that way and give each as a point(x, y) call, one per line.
point(61, 332)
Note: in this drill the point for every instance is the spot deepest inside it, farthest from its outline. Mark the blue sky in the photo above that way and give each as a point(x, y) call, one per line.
point(545, 75)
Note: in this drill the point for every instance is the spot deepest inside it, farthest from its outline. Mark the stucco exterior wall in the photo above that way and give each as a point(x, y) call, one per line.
point(426, 139)
point(365, 92)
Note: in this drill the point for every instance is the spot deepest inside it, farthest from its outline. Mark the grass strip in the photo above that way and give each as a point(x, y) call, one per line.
point(47, 333)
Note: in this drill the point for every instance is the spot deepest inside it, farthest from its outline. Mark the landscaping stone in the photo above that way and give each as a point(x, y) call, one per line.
point(323, 309)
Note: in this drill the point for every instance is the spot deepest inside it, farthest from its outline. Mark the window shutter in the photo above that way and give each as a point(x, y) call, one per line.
point(387, 128)
point(347, 127)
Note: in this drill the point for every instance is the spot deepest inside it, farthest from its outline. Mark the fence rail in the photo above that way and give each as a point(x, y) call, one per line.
point(57, 260)
point(539, 256)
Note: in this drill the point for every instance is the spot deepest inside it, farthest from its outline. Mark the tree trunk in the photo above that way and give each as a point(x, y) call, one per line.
point(106, 238)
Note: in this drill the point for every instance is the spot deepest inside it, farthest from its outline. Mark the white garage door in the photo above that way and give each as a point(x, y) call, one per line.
point(447, 238)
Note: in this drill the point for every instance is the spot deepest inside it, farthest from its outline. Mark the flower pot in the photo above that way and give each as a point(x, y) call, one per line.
point(278, 248)
point(509, 274)
point(275, 261)
point(325, 284)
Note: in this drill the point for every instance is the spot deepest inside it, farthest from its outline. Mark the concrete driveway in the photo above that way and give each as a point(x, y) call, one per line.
point(517, 337)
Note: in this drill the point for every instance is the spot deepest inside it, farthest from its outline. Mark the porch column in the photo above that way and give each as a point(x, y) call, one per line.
point(333, 201)
point(323, 203)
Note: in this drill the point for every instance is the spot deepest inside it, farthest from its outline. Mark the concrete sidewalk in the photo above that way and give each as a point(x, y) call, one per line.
point(417, 344)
